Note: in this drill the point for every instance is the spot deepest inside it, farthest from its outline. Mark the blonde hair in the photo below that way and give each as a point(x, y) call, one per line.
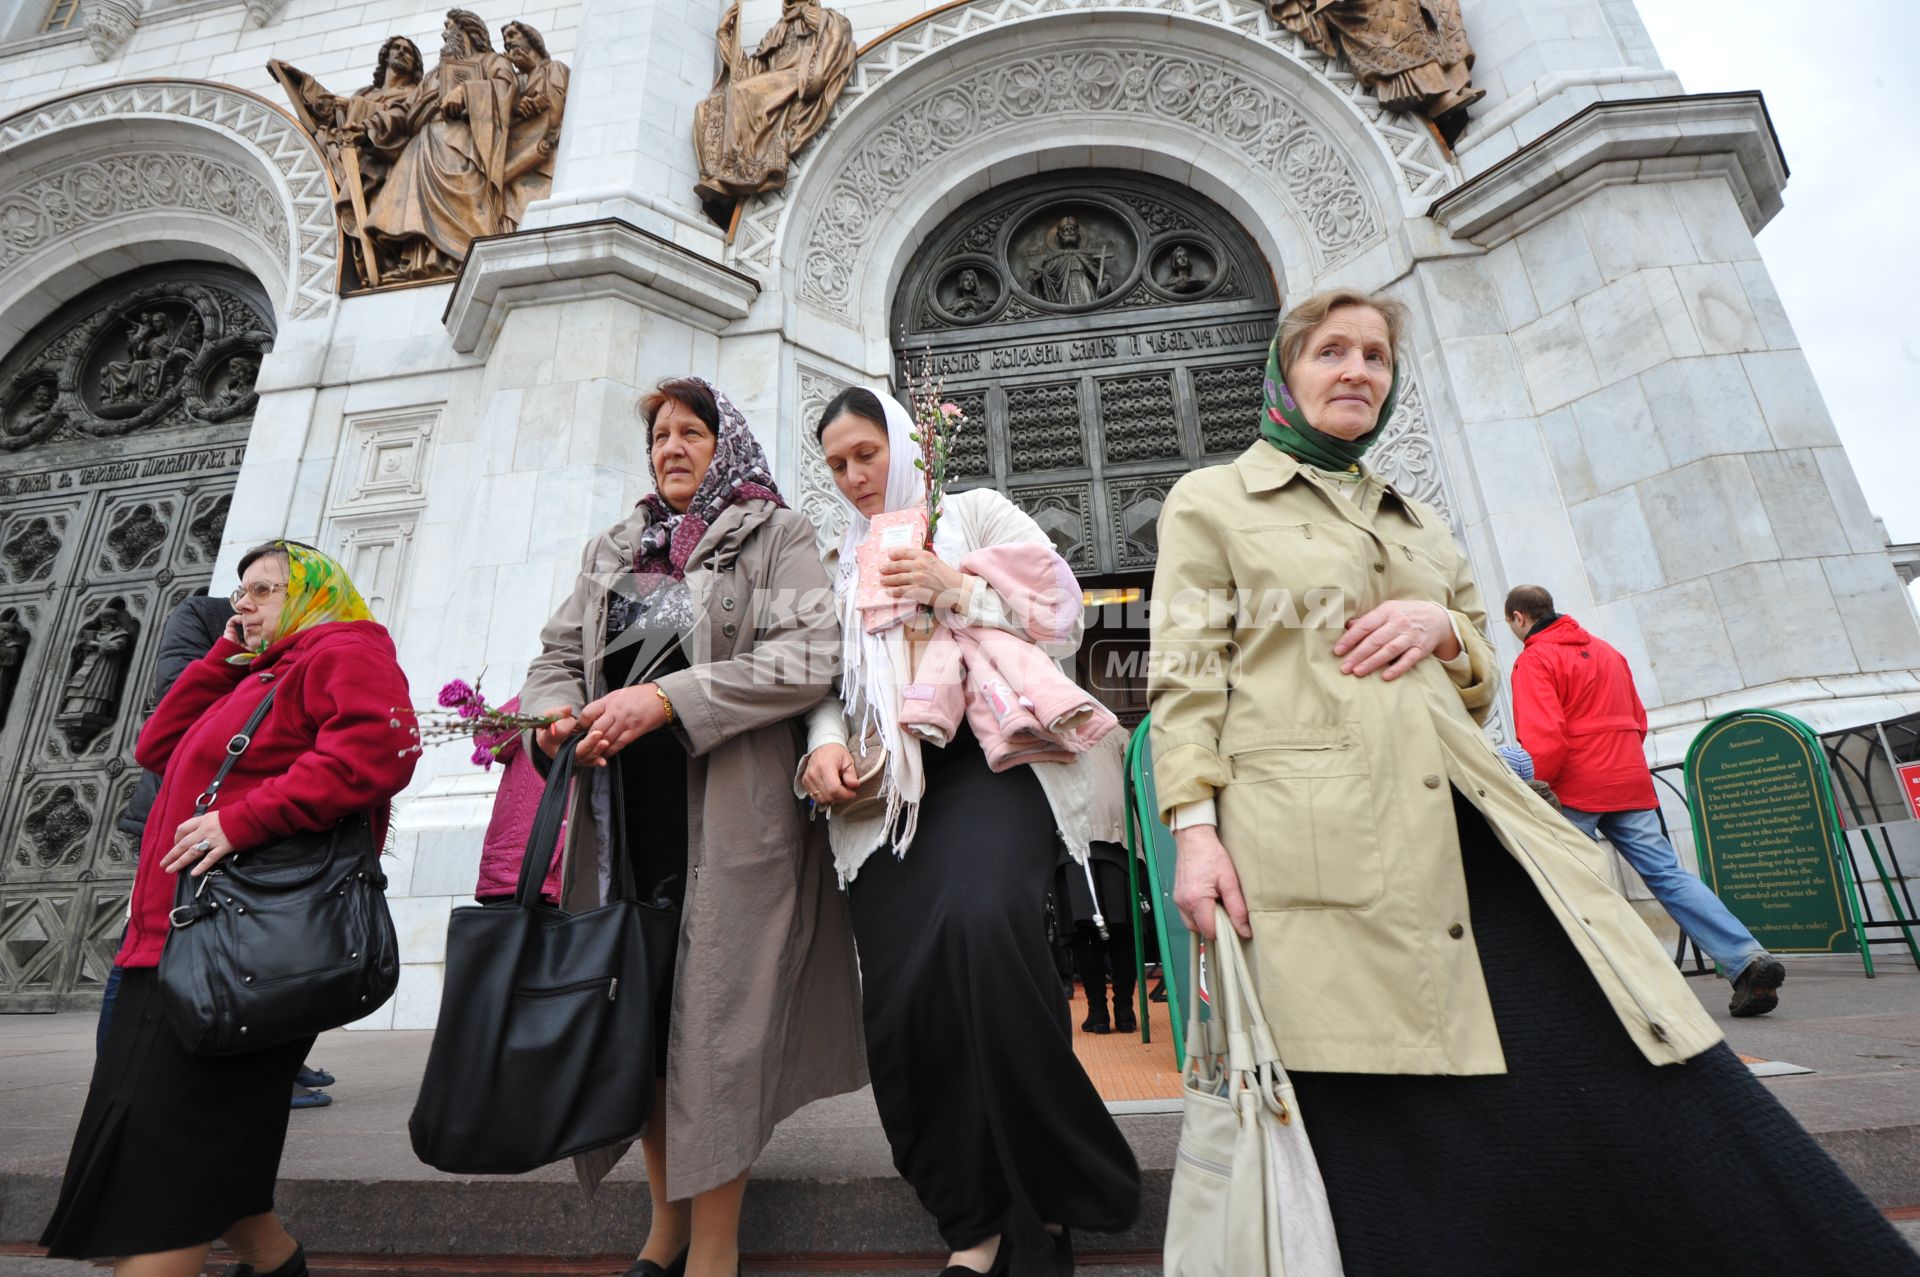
point(1299, 323)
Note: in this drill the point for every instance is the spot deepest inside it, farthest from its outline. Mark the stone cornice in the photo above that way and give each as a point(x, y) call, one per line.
point(1622, 142)
point(589, 259)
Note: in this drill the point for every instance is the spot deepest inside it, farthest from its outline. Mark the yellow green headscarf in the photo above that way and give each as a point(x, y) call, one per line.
point(318, 591)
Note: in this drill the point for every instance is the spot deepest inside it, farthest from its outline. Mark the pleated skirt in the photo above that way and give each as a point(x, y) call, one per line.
point(173, 1149)
point(989, 1115)
point(1583, 1158)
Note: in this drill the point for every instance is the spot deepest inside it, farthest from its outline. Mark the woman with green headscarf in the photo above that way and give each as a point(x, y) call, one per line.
point(1483, 1036)
point(177, 1150)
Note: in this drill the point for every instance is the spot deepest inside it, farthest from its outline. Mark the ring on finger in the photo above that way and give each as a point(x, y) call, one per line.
point(203, 845)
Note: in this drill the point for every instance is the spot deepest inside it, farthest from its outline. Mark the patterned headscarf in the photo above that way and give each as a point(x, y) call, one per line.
point(1283, 425)
point(318, 591)
point(738, 472)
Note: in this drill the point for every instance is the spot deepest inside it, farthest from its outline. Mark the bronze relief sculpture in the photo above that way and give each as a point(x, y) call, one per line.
point(1412, 54)
point(426, 161)
point(96, 674)
point(766, 106)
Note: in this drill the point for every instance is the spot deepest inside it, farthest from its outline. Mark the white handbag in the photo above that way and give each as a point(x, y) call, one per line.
point(1247, 1200)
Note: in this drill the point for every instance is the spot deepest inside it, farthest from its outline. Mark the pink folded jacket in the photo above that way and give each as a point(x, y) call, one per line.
point(1021, 708)
point(505, 845)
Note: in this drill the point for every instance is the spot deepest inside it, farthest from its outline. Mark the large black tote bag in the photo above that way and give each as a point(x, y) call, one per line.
point(545, 1045)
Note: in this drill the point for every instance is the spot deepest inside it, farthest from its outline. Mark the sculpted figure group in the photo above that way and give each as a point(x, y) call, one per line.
point(425, 161)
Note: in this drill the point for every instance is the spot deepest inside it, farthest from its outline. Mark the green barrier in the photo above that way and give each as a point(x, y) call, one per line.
point(1151, 840)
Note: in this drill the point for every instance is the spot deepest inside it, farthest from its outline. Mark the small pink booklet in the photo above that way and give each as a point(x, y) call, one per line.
point(892, 530)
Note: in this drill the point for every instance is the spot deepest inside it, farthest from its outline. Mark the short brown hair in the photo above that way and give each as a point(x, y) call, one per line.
point(1531, 601)
point(1299, 323)
point(689, 393)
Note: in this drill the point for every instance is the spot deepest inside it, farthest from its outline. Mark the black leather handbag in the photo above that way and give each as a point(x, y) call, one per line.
point(281, 941)
point(545, 1043)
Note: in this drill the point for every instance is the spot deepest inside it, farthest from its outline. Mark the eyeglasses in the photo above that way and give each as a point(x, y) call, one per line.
point(259, 592)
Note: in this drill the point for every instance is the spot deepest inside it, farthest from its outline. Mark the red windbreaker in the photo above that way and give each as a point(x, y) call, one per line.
point(1577, 713)
point(326, 748)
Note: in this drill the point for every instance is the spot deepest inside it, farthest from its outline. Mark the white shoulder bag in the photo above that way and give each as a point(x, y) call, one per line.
point(1247, 1200)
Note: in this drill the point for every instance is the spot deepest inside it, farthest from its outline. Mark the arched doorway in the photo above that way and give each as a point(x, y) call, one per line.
point(1105, 333)
point(123, 420)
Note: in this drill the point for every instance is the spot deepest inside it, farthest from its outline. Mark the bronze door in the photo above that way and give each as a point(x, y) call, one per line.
point(123, 421)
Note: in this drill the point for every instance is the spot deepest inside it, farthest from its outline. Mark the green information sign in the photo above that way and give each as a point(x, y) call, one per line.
point(1769, 840)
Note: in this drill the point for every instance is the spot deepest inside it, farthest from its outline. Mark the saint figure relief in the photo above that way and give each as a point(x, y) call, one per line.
point(1070, 274)
point(157, 353)
point(765, 107)
point(1412, 54)
point(535, 135)
point(14, 638)
point(339, 125)
point(96, 674)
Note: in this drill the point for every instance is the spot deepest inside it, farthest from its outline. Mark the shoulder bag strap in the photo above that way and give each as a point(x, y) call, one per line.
point(547, 821)
point(235, 747)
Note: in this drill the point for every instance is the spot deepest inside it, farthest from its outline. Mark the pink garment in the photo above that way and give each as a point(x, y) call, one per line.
point(514, 805)
point(1021, 708)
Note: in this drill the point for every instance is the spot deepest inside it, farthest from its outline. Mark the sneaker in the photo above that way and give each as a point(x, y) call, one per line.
point(313, 1078)
point(307, 1098)
point(1756, 990)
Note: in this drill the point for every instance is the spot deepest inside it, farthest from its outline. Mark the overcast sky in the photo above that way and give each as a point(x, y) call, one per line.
point(1845, 251)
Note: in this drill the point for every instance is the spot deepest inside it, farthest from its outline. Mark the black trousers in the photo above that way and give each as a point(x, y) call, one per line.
point(988, 1112)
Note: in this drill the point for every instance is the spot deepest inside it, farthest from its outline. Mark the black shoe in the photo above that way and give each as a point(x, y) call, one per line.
point(1002, 1260)
point(1096, 1022)
point(1063, 1253)
point(296, 1266)
point(1123, 1021)
point(647, 1268)
point(1756, 990)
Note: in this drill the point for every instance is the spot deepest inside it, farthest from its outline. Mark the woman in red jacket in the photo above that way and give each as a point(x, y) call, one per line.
point(176, 1150)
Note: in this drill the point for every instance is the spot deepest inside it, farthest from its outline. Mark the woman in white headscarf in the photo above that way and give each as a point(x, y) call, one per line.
point(989, 1115)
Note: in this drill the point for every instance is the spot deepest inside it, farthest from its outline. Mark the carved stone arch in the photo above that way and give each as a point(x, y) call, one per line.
point(1210, 91)
point(129, 175)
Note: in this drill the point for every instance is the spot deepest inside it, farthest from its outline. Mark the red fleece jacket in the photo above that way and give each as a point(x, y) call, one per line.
point(326, 748)
point(1577, 713)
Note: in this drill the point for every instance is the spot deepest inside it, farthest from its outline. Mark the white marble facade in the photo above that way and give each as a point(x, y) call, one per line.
point(1610, 398)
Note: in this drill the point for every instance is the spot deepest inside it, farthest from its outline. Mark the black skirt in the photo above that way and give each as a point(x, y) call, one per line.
point(1582, 1157)
point(989, 1115)
point(173, 1148)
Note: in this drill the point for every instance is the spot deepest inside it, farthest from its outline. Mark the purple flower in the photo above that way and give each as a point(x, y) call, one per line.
point(482, 757)
point(473, 708)
point(455, 693)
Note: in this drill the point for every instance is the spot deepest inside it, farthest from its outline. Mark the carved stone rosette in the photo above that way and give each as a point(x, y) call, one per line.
point(109, 24)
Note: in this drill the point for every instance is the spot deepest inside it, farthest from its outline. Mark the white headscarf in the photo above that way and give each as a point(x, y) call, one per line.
point(872, 665)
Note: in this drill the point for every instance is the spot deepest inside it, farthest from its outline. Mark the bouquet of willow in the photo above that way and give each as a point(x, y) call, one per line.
point(463, 714)
point(936, 422)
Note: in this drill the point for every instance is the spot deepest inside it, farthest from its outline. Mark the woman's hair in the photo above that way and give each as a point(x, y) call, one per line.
point(1299, 323)
point(857, 400)
point(695, 396)
point(265, 548)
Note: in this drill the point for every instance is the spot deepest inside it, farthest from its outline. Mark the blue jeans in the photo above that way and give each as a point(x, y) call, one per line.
point(1636, 835)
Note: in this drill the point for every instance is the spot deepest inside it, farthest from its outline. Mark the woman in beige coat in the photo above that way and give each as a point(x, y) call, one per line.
point(698, 634)
point(1485, 1039)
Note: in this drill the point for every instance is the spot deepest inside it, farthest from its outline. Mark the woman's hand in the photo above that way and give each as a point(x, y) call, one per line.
point(1396, 636)
point(618, 719)
point(236, 632)
point(1203, 874)
point(830, 775)
point(565, 723)
point(921, 575)
point(200, 843)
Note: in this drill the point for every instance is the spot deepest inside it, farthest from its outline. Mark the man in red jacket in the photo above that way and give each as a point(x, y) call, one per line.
point(1578, 715)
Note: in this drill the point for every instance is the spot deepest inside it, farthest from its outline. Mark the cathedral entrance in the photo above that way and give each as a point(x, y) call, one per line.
point(123, 420)
point(1105, 332)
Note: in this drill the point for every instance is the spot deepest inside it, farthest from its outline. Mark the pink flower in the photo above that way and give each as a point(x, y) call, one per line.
point(473, 708)
point(455, 693)
point(482, 757)
point(951, 411)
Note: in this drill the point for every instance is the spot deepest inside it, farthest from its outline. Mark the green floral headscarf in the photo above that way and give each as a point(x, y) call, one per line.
point(1283, 425)
point(318, 591)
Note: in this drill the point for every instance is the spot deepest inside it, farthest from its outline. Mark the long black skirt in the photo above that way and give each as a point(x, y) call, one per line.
point(173, 1148)
point(1582, 1157)
point(989, 1115)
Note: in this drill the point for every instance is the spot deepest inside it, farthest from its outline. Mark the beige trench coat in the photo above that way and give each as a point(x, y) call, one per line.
point(1335, 794)
point(766, 998)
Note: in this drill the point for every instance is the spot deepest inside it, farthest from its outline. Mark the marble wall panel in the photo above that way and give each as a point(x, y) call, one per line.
point(1794, 491)
point(1618, 545)
point(1706, 517)
point(1875, 608)
point(1620, 441)
point(1687, 642)
point(1775, 614)
point(1557, 358)
point(1718, 304)
point(1704, 408)
point(1789, 399)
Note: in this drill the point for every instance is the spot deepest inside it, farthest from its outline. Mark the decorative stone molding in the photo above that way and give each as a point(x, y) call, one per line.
point(285, 179)
point(1632, 141)
point(110, 24)
point(1408, 457)
point(261, 13)
point(818, 499)
point(1403, 141)
point(589, 259)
